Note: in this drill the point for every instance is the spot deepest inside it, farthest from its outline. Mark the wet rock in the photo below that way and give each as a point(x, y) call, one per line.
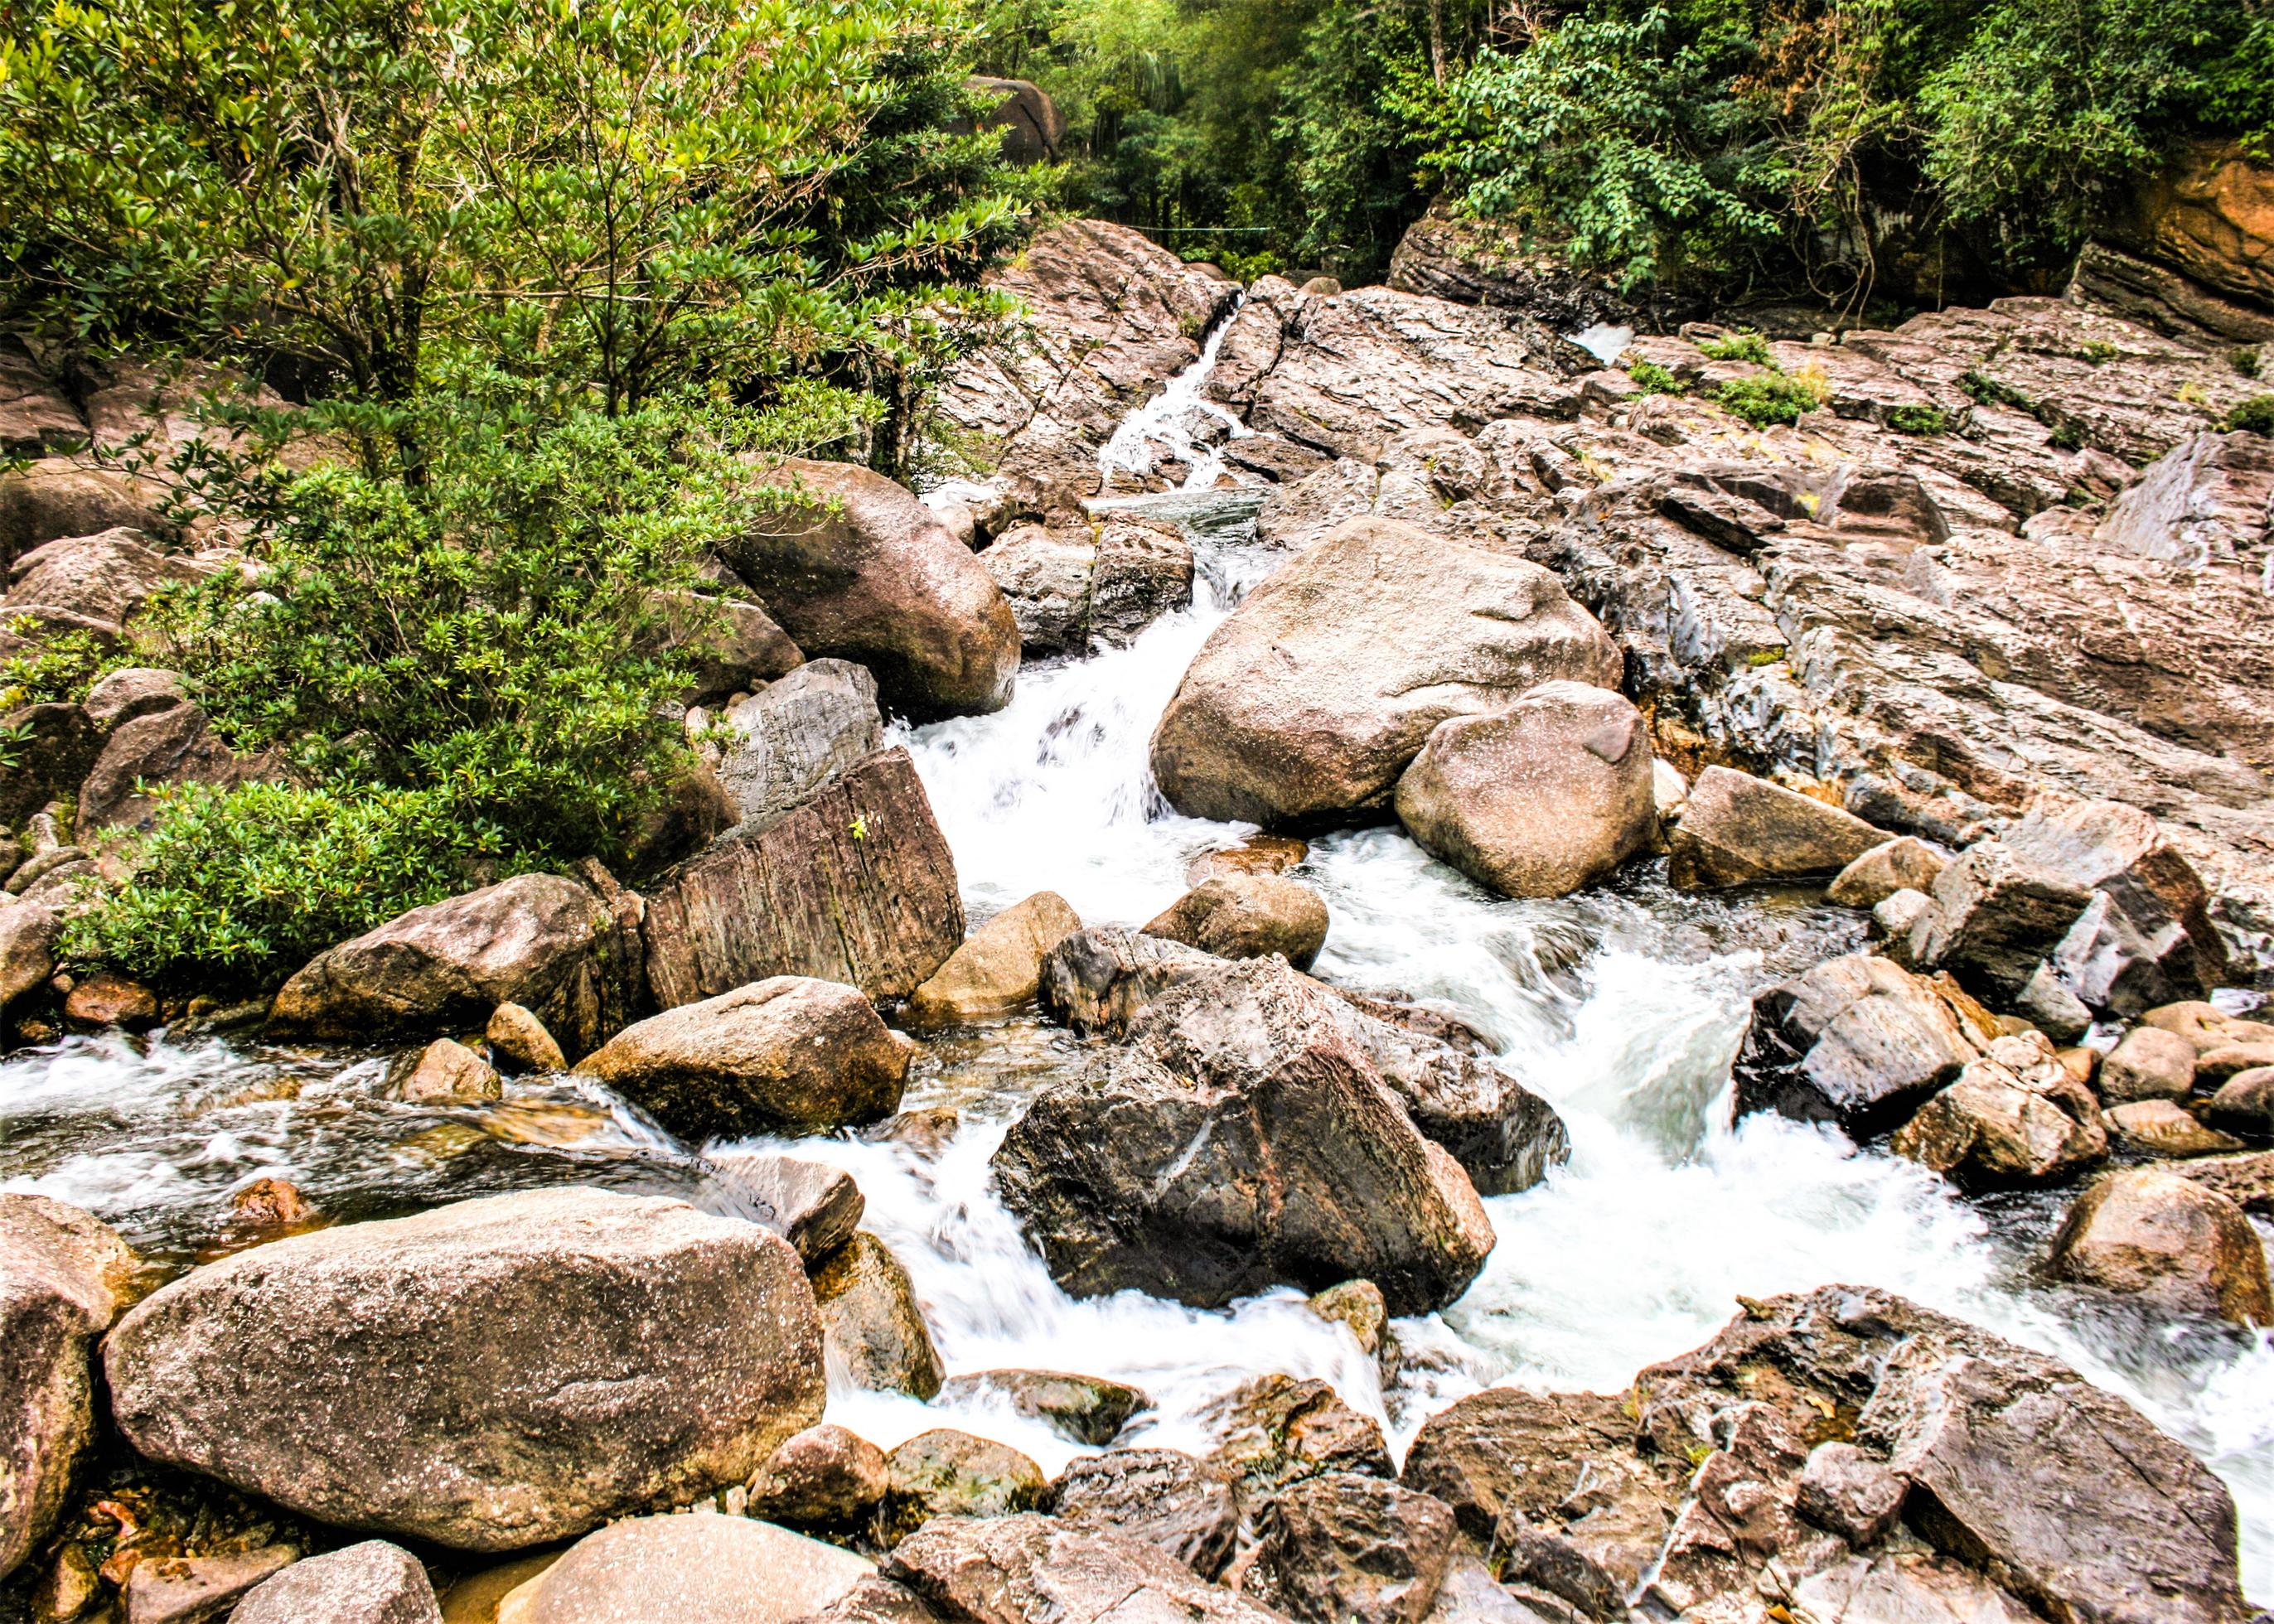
point(1357, 1303)
point(538, 940)
point(196, 1590)
point(1312, 698)
point(104, 998)
point(1143, 570)
point(373, 1583)
point(1856, 1041)
point(825, 1476)
point(270, 1206)
point(1101, 980)
point(2014, 1116)
point(1905, 863)
point(861, 571)
point(2150, 1063)
point(945, 1473)
point(2244, 1103)
point(1277, 1429)
point(2146, 1233)
point(1089, 1410)
point(926, 1132)
point(2201, 505)
point(1736, 828)
point(877, 1601)
point(2248, 1180)
point(1019, 1569)
point(2161, 1128)
point(519, 1039)
point(631, 1350)
point(1160, 1498)
point(1247, 916)
point(29, 931)
point(62, 1276)
point(1741, 1513)
point(1000, 966)
point(176, 745)
point(788, 1055)
point(1242, 1139)
point(1539, 800)
point(1849, 1493)
point(814, 1206)
point(871, 1322)
point(1044, 576)
point(1257, 855)
point(1339, 1547)
point(2222, 1065)
point(449, 1073)
point(856, 885)
point(795, 736)
point(670, 1569)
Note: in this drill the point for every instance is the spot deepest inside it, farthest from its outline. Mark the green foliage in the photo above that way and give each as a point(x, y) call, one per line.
point(1651, 379)
point(1984, 390)
point(1918, 420)
point(1771, 397)
point(55, 667)
point(2098, 353)
point(236, 886)
point(1738, 347)
point(2244, 361)
point(2256, 415)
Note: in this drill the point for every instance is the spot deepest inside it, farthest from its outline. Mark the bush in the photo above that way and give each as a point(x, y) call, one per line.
point(1771, 397)
point(1918, 420)
point(234, 887)
point(1651, 379)
point(59, 668)
point(2254, 415)
point(1738, 347)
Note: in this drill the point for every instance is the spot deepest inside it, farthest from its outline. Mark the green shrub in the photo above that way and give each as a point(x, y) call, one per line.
point(2244, 361)
point(1771, 397)
point(2098, 352)
point(2256, 415)
point(234, 887)
point(1918, 420)
point(1738, 347)
point(1984, 390)
point(58, 668)
point(1651, 379)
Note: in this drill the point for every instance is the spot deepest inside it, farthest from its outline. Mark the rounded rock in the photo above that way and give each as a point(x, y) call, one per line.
point(1247, 916)
point(2168, 1241)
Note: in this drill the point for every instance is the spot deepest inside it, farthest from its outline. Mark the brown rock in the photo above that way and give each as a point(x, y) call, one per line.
point(871, 1322)
point(2146, 1233)
point(824, 1477)
point(814, 1206)
point(2014, 1116)
point(2150, 1064)
point(2244, 1103)
point(1089, 1410)
point(196, 1590)
point(1259, 854)
point(1857, 1041)
point(29, 931)
point(1033, 130)
point(2209, 214)
point(1905, 863)
point(449, 1073)
point(272, 1207)
point(997, 1569)
point(1357, 1303)
point(1339, 1547)
point(2231, 1060)
point(2160, 1128)
point(519, 1039)
point(1277, 1429)
point(945, 1473)
point(999, 968)
point(121, 697)
point(174, 745)
point(54, 497)
point(105, 998)
point(1736, 828)
point(1247, 916)
point(1162, 1497)
point(2205, 1026)
point(1104, 979)
point(1848, 1492)
point(672, 1570)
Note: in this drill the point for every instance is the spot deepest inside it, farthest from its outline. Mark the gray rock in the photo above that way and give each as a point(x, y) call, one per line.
point(1905, 863)
point(797, 734)
point(1848, 1493)
point(1247, 916)
point(29, 931)
point(1340, 1547)
point(2014, 1116)
point(121, 697)
point(673, 1569)
point(871, 1325)
point(1101, 980)
point(1857, 1041)
point(172, 745)
point(2161, 1128)
point(489, 1375)
point(945, 1473)
point(84, 584)
point(1033, 129)
point(733, 643)
point(1161, 1497)
point(373, 1583)
point(814, 1206)
point(1044, 576)
point(1736, 828)
point(1022, 1569)
point(1143, 570)
point(1914, 1587)
point(1089, 1410)
point(877, 1601)
point(197, 1590)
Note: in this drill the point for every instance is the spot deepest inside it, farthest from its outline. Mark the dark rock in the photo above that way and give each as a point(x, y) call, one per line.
point(877, 1601)
point(825, 1477)
point(55, 745)
point(1247, 916)
point(945, 1473)
point(2245, 1104)
point(35, 418)
point(1450, 256)
point(1033, 130)
point(1161, 1497)
point(1089, 1410)
point(814, 1206)
point(56, 497)
point(373, 1583)
point(1277, 1430)
point(871, 1322)
point(1339, 1547)
point(733, 643)
point(171, 746)
point(1857, 1041)
point(1101, 979)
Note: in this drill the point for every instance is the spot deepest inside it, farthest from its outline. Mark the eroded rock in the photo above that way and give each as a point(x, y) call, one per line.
point(1247, 916)
point(2152, 1235)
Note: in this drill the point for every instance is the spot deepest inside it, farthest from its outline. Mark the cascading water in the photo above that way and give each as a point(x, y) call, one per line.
point(1179, 425)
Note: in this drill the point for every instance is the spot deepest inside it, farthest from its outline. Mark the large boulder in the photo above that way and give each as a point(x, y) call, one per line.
point(1074, 592)
point(2016, 1116)
point(29, 931)
point(945, 1473)
point(63, 1276)
point(1164, 1497)
point(814, 1206)
point(1856, 1041)
point(85, 583)
point(675, 1570)
point(1102, 979)
point(373, 1583)
point(1539, 800)
point(2146, 1233)
point(542, 941)
point(489, 1375)
point(797, 734)
point(1242, 1141)
point(1736, 828)
point(1310, 700)
point(788, 1055)
point(1344, 1549)
point(2209, 212)
point(856, 568)
point(855, 886)
point(1000, 966)
point(1247, 916)
point(169, 745)
point(1032, 128)
point(1022, 1569)
point(57, 497)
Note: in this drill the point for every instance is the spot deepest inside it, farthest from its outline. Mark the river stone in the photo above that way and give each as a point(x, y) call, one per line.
point(1344, 1549)
point(871, 1322)
point(856, 885)
point(1357, 1305)
point(2206, 1026)
point(1162, 1497)
point(859, 569)
point(1000, 966)
point(788, 1055)
point(1539, 799)
point(2218, 1066)
point(1905, 863)
point(1856, 1041)
point(29, 931)
point(2146, 1233)
point(2162, 1128)
point(61, 1274)
point(519, 1039)
point(449, 1073)
point(1089, 1410)
point(677, 1569)
point(2014, 1116)
point(945, 1473)
point(1311, 698)
point(1101, 980)
point(1907, 1587)
point(538, 940)
point(1024, 1569)
point(825, 1476)
point(2150, 1063)
point(1243, 1139)
point(373, 1583)
point(489, 1375)
point(816, 1207)
point(1247, 916)
point(1736, 830)
point(2244, 1103)
point(796, 735)
point(2148, 938)
point(103, 998)
point(1277, 1429)
point(1143, 570)
point(195, 1590)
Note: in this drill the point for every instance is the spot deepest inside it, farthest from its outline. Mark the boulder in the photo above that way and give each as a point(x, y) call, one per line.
point(104, 998)
point(2150, 1063)
point(1143, 570)
point(1161, 1497)
point(945, 1473)
point(1000, 966)
point(1089, 1410)
point(1242, 1141)
point(1736, 830)
point(449, 1073)
point(788, 1055)
point(1043, 575)
point(518, 1039)
point(120, 696)
point(825, 1477)
point(35, 418)
point(1856, 1041)
point(814, 1206)
point(1339, 1547)
point(539, 940)
point(373, 1583)
point(2145, 1233)
point(1310, 699)
point(55, 498)
point(2013, 1116)
point(84, 584)
point(1257, 854)
point(2206, 1026)
point(855, 568)
point(196, 1590)
point(489, 1375)
point(672, 1570)
point(1848, 1493)
point(1278, 1430)
point(1247, 916)
point(871, 1325)
point(2221, 1065)
point(2208, 212)
point(1539, 799)
point(63, 1276)
point(1021, 1569)
point(2201, 505)
point(796, 735)
point(52, 748)
point(1033, 131)
point(1450, 255)
point(732, 643)
point(877, 1601)
point(29, 931)
point(1075, 592)
point(174, 745)
point(1101, 980)
point(2244, 1103)
point(2161, 1128)
point(1904, 863)
point(856, 885)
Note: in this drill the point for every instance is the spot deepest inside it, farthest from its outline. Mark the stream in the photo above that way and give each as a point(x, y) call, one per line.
point(1623, 1006)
